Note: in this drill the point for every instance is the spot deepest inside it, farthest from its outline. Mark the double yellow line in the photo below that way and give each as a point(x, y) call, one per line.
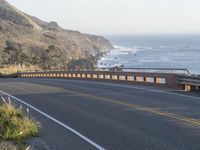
point(138, 107)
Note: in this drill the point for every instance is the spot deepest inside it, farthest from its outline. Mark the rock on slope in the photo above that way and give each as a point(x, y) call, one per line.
point(34, 35)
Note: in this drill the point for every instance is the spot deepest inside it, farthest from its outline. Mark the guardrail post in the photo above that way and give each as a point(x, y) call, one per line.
point(104, 76)
point(195, 88)
point(89, 75)
point(126, 77)
point(157, 80)
point(187, 88)
point(83, 75)
point(114, 77)
point(137, 79)
point(74, 75)
point(78, 75)
point(154, 79)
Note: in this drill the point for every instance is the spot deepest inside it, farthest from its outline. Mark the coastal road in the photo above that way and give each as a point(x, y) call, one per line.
point(87, 115)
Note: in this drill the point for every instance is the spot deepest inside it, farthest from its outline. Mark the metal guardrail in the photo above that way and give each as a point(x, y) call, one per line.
point(151, 78)
point(172, 78)
point(157, 70)
point(135, 70)
point(189, 80)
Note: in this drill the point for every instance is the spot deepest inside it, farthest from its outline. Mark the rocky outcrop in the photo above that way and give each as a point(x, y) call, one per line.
point(35, 36)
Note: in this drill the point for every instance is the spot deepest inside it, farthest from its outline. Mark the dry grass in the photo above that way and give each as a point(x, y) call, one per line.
point(14, 69)
point(15, 125)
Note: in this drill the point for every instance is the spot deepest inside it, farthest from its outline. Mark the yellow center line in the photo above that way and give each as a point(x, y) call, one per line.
point(138, 107)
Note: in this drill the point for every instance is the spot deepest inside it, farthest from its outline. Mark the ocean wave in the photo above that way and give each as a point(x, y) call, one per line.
point(162, 46)
point(148, 48)
point(161, 52)
point(124, 50)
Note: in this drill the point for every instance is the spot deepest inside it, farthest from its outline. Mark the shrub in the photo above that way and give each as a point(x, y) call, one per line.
point(15, 124)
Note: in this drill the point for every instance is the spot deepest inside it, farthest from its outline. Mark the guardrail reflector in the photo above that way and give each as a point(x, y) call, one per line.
point(101, 76)
point(122, 77)
point(107, 76)
point(187, 88)
point(150, 79)
point(83, 76)
point(114, 77)
point(94, 76)
point(131, 78)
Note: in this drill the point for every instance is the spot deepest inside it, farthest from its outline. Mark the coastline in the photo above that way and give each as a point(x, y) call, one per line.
point(168, 51)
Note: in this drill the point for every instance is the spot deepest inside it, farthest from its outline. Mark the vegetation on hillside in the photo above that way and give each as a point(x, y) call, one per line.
point(15, 59)
point(14, 55)
point(27, 42)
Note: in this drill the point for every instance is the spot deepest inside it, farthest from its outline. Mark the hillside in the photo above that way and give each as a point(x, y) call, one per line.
point(42, 43)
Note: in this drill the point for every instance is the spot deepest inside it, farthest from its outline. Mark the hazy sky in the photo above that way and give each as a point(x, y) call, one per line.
point(118, 16)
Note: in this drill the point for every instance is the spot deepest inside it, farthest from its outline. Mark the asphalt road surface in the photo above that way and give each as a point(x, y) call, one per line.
point(87, 115)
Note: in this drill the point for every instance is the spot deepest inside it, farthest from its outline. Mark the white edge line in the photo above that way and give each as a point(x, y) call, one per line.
point(157, 91)
point(55, 120)
point(130, 87)
point(150, 90)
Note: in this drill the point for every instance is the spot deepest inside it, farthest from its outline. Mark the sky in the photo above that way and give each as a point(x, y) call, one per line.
point(118, 16)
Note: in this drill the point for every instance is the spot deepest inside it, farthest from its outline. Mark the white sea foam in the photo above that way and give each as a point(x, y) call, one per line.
point(123, 49)
point(149, 48)
point(162, 46)
point(112, 58)
point(155, 53)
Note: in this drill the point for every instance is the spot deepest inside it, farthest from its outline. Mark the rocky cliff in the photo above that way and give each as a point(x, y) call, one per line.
point(37, 39)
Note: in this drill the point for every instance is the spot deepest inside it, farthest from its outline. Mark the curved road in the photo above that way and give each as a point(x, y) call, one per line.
point(98, 115)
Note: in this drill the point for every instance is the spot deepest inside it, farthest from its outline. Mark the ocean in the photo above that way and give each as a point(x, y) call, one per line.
point(154, 51)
